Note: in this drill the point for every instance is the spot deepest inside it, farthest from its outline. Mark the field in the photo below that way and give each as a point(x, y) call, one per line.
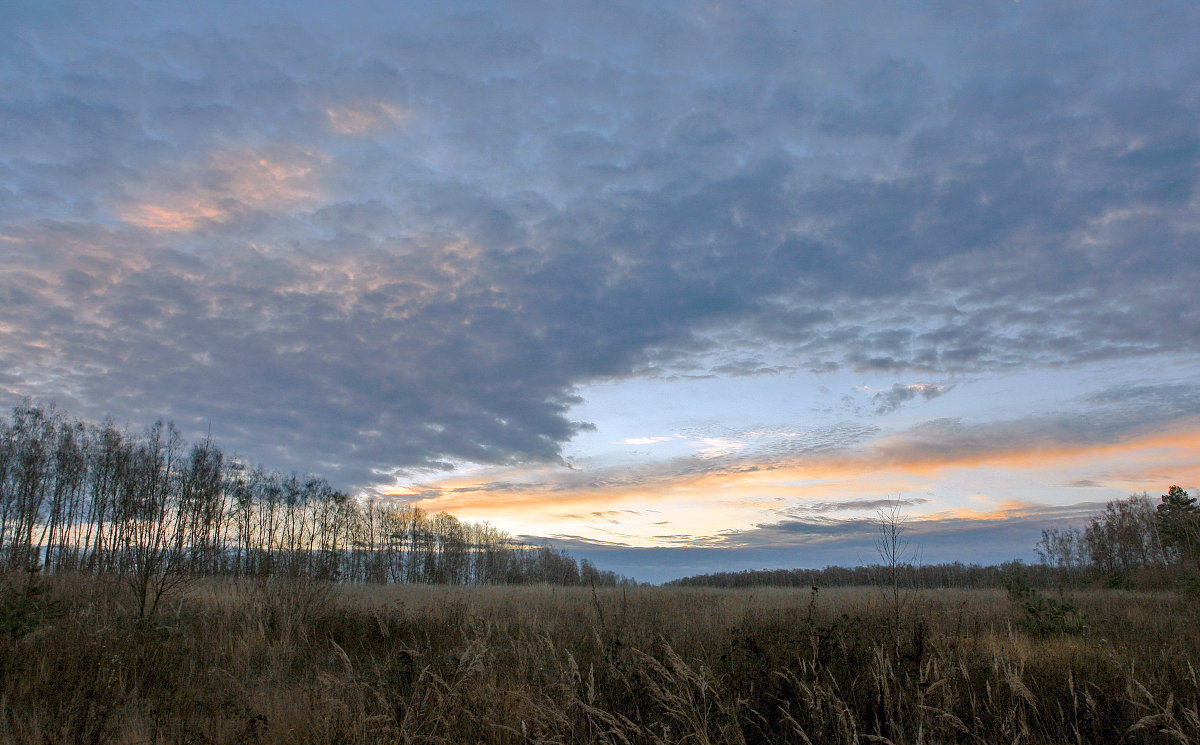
point(299, 662)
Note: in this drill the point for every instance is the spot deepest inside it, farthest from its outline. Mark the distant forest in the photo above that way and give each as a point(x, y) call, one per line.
point(1133, 542)
point(153, 509)
point(926, 576)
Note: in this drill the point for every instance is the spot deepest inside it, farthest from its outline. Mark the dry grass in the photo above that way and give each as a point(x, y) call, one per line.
point(285, 663)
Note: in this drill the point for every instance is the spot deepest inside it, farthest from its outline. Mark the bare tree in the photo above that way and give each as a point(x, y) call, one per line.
point(1067, 551)
point(892, 545)
point(155, 557)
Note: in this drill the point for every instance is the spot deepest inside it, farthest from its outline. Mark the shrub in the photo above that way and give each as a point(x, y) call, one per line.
point(1045, 614)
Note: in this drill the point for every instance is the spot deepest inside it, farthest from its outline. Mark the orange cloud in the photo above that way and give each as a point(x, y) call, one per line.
point(886, 466)
point(230, 182)
point(175, 214)
point(1006, 510)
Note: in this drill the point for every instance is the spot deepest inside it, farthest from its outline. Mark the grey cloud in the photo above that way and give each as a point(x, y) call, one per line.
point(936, 534)
point(565, 540)
point(572, 194)
point(888, 100)
point(1161, 397)
point(899, 394)
point(746, 368)
point(850, 505)
point(949, 439)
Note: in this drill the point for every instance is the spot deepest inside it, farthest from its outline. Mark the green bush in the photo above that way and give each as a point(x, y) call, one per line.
point(23, 609)
point(1044, 614)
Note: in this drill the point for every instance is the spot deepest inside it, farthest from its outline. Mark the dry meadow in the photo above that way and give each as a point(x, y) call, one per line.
point(286, 662)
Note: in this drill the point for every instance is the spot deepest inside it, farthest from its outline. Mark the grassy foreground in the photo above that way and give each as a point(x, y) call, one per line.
point(286, 663)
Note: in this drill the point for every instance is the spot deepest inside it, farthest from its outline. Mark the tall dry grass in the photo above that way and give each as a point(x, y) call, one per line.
point(302, 662)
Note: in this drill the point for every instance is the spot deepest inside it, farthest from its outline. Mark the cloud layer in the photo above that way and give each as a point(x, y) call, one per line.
point(403, 237)
point(806, 474)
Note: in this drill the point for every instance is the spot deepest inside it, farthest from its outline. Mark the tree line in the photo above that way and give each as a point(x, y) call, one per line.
point(932, 576)
point(1132, 541)
point(155, 510)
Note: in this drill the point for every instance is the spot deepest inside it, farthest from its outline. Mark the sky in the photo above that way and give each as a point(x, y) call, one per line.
point(679, 287)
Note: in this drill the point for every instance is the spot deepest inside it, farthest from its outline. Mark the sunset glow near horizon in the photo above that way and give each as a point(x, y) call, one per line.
point(680, 287)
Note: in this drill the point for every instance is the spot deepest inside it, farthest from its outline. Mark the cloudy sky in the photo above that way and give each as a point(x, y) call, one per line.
point(681, 286)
